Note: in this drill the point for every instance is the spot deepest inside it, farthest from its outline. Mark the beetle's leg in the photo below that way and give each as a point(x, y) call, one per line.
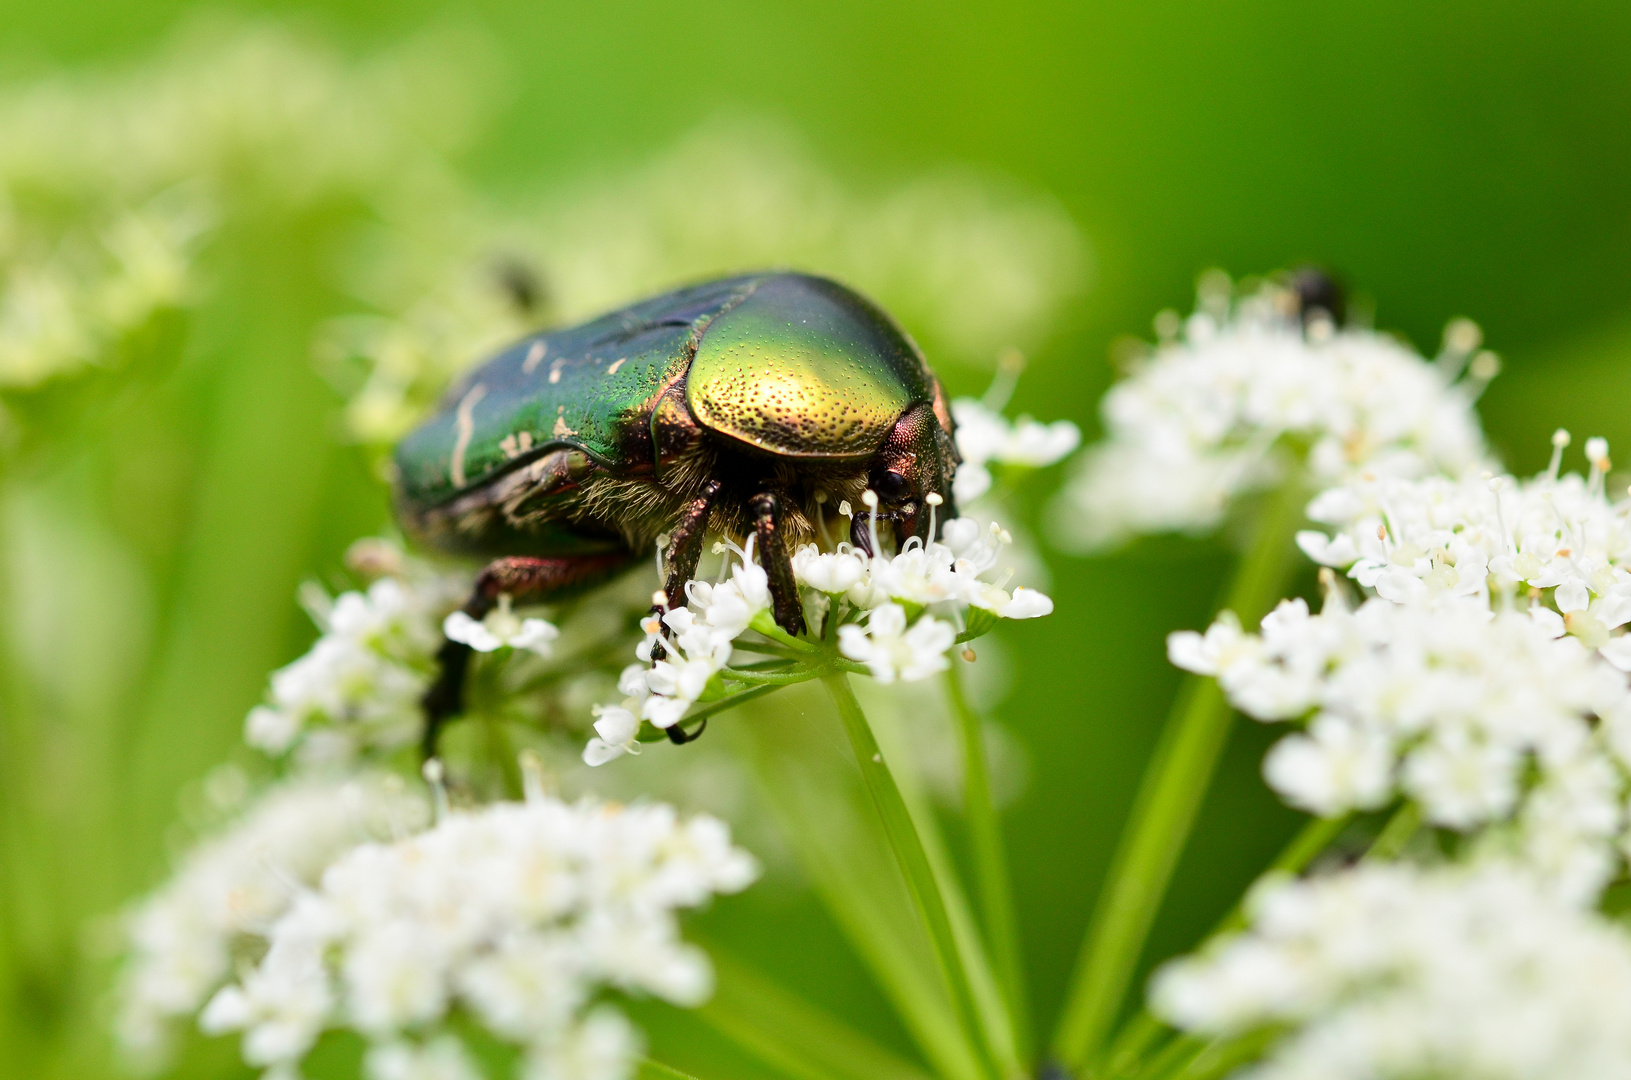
point(778, 565)
point(520, 578)
point(679, 737)
point(684, 549)
point(685, 543)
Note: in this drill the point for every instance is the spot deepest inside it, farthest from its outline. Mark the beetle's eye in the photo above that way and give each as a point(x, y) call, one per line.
point(892, 486)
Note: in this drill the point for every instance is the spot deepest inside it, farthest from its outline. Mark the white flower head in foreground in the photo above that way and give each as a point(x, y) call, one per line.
point(361, 682)
point(517, 915)
point(1480, 718)
point(1390, 972)
point(897, 614)
point(235, 884)
point(1216, 412)
point(1494, 540)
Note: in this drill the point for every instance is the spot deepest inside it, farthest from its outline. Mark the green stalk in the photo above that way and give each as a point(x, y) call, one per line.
point(1169, 797)
point(990, 864)
point(647, 1069)
point(913, 861)
point(1400, 829)
point(1122, 1058)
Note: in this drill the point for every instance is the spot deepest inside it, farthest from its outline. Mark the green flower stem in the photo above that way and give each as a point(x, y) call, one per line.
point(1135, 1038)
point(765, 625)
point(784, 677)
point(990, 863)
point(913, 860)
point(1400, 829)
point(1169, 797)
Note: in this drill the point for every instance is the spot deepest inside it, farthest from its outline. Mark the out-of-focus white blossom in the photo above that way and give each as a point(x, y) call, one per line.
point(502, 629)
point(1391, 972)
point(231, 887)
point(1247, 396)
point(1481, 718)
point(966, 265)
point(899, 614)
point(985, 436)
point(110, 181)
point(361, 683)
point(516, 914)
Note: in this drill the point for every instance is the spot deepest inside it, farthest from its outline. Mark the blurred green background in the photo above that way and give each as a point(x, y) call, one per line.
point(1446, 159)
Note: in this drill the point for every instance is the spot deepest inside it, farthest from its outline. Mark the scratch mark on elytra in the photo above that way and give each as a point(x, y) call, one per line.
point(555, 370)
point(535, 356)
point(617, 364)
point(560, 423)
point(467, 427)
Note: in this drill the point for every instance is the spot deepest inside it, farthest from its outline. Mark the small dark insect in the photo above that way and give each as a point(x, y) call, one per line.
point(1317, 291)
point(750, 404)
point(521, 284)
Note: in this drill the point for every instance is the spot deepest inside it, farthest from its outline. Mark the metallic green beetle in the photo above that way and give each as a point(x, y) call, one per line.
point(753, 403)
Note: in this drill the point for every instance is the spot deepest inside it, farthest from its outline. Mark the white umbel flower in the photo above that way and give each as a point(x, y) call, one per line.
point(1207, 418)
point(1493, 540)
point(899, 614)
point(361, 682)
point(1389, 972)
point(234, 885)
point(502, 629)
point(517, 914)
point(893, 651)
point(1450, 705)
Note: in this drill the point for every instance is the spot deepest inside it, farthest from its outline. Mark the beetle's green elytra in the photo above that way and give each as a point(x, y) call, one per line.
point(805, 369)
point(759, 403)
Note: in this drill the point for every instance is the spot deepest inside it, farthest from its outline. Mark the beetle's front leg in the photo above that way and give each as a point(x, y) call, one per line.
point(521, 578)
point(685, 543)
point(777, 563)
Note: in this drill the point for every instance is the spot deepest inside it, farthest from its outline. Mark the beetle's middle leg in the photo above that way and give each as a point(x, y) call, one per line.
point(777, 562)
point(521, 578)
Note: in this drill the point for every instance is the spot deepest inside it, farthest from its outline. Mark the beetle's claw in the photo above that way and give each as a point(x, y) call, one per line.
point(679, 736)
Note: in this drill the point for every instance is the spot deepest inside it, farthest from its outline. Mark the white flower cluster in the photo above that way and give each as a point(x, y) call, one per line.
point(899, 615)
point(67, 313)
point(1217, 412)
point(360, 684)
point(184, 938)
point(108, 183)
point(1390, 972)
point(1492, 540)
point(1477, 717)
point(985, 436)
point(516, 914)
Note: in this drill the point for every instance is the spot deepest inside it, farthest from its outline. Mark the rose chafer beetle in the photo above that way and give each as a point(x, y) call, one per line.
point(750, 404)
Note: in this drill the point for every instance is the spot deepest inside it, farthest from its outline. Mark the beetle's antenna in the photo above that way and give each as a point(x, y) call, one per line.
point(934, 500)
point(870, 499)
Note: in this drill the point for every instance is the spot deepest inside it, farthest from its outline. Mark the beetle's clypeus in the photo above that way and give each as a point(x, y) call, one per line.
point(749, 404)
